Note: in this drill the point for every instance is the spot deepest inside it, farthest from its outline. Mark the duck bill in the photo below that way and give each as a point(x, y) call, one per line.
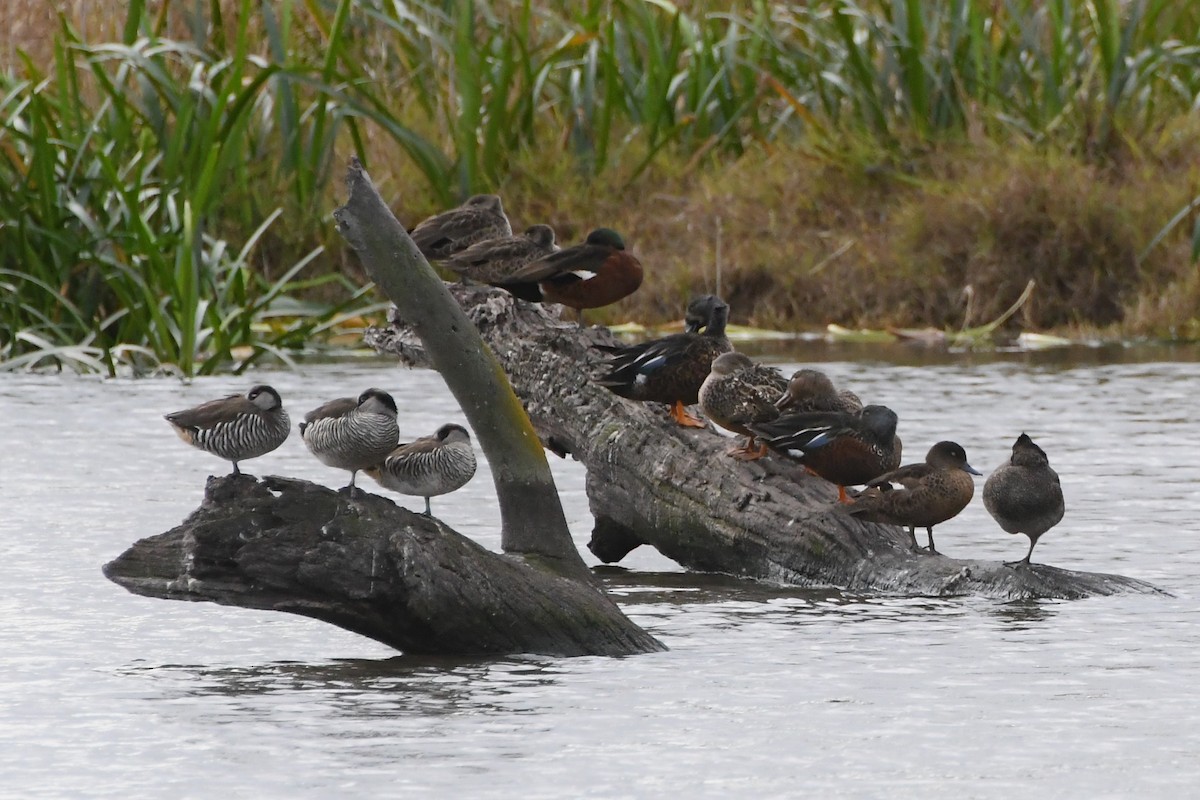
point(972, 470)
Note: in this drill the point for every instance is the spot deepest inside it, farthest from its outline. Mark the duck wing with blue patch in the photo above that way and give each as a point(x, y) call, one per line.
point(796, 435)
point(672, 369)
point(632, 366)
point(846, 449)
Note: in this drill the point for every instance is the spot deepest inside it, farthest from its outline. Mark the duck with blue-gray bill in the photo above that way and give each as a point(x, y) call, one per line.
point(480, 218)
point(352, 433)
point(737, 393)
point(844, 449)
point(920, 495)
point(1024, 494)
point(671, 369)
point(430, 466)
point(237, 427)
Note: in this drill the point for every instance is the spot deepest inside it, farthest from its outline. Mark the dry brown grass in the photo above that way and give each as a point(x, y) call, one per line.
point(806, 241)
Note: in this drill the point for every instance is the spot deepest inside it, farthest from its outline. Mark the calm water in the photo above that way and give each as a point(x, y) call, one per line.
point(764, 693)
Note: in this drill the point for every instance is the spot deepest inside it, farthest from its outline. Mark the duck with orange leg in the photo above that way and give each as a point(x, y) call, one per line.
point(844, 449)
point(672, 369)
point(920, 495)
point(737, 393)
point(598, 272)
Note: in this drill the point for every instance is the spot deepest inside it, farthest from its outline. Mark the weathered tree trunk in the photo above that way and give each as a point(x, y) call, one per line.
point(652, 482)
point(372, 567)
point(532, 519)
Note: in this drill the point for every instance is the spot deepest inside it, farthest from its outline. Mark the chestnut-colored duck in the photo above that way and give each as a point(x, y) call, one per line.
point(672, 369)
point(920, 495)
point(844, 449)
point(595, 273)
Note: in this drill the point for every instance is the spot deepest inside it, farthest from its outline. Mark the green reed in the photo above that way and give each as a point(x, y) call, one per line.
point(144, 182)
point(131, 170)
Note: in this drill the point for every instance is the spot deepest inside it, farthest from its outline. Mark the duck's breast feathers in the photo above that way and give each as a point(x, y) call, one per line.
point(1024, 499)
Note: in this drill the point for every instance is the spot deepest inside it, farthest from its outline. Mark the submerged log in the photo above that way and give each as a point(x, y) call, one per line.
point(372, 567)
point(651, 482)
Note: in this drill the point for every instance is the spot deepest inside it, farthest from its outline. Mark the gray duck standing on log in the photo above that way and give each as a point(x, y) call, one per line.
point(237, 427)
point(430, 466)
point(352, 434)
point(1024, 494)
point(482, 217)
point(920, 495)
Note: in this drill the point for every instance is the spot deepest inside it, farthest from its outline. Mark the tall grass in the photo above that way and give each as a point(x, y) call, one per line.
point(133, 196)
point(639, 75)
point(142, 181)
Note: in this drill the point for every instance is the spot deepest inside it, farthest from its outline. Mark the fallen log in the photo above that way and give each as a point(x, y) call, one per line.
point(372, 567)
point(365, 564)
point(650, 482)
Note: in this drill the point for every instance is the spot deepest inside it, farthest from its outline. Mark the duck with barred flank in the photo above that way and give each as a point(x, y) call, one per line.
point(237, 427)
point(352, 433)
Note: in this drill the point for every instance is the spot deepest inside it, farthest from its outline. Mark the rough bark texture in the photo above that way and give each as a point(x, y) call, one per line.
point(372, 567)
point(532, 519)
point(652, 482)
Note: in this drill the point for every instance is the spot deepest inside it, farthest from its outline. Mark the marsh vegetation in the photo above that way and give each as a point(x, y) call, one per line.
point(166, 169)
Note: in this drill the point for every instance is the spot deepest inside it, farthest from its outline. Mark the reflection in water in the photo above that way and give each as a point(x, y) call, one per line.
point(1023, 614)
point(401, 685)
point(766, 691)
